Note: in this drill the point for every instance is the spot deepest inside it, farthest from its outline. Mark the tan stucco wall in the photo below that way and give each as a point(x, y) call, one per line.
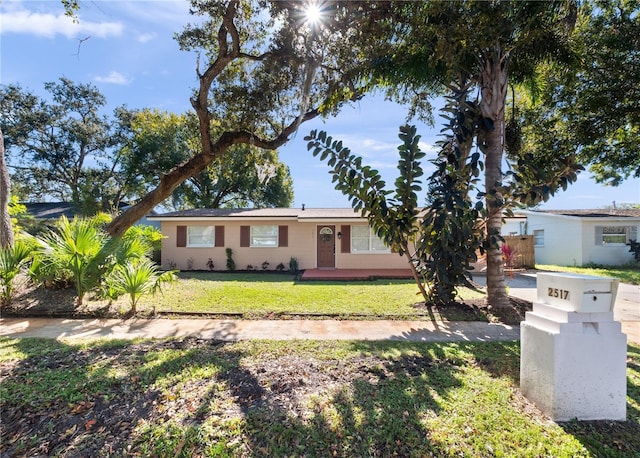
point(302, 245)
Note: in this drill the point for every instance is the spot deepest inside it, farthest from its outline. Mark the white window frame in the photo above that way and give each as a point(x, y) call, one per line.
point(371, 238)
point(621, 231)
point(253, 237)
point(538, 238)
point(211, 235)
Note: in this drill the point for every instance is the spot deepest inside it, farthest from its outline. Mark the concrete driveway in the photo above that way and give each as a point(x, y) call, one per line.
point(626, 308)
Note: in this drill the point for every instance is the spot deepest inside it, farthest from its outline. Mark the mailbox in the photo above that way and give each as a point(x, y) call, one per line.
point(577, 293)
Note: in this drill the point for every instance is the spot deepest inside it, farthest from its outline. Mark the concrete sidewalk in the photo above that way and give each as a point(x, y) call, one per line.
point(232, 330)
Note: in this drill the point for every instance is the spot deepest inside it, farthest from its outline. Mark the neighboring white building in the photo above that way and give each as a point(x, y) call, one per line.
point(579, 237)
point(514, 225)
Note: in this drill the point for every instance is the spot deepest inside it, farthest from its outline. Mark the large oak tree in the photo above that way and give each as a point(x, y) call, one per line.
point(263, 69)
point(246, 176)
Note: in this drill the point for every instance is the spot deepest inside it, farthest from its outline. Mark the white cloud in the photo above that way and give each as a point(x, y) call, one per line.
point(146, 37)
point(113, 78)
point(49, 25)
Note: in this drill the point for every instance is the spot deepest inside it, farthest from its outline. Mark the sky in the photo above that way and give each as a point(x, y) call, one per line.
point(126, 49)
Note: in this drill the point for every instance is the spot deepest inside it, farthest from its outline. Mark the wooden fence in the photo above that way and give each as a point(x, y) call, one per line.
point(522, 251)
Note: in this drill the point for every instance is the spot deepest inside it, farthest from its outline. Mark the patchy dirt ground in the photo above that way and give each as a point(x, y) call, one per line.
point(118, 401)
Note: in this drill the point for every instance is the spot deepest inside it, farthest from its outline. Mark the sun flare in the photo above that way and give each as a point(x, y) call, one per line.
point(313, 13)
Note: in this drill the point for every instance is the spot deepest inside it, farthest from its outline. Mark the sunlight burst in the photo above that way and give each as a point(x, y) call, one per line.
point(313, 13)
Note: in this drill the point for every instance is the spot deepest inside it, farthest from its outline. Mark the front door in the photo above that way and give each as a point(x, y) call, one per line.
point(326, 247)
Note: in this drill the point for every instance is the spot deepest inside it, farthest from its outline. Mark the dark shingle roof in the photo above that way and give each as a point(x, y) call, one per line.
point(599, 213)
point(307, 213)
point(50, 210)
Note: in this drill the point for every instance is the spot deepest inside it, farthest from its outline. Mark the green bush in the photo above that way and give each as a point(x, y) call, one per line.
point(135, 278)
point(78, 250)
point(231, 264)
point(13, 260)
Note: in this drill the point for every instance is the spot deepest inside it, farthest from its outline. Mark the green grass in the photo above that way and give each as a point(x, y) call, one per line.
point(629, 273)
point(263, 294)
point(183, 398)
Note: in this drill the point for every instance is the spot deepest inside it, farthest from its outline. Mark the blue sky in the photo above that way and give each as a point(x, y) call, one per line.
point(130, 55)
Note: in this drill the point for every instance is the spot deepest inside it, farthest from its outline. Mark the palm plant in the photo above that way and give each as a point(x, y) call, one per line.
point(13, 259)
point(81, 251)
point(136, 278)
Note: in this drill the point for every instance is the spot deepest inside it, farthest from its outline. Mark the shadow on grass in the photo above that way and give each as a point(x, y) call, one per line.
point(121, 398)
point(192, 397)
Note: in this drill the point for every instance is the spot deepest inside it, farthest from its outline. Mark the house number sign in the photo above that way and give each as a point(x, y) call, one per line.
point(559, 293)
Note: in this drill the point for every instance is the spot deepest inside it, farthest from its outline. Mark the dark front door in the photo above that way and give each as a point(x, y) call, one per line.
point(326, 246)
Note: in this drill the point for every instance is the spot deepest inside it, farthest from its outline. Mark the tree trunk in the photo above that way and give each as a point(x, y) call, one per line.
point(165, 188)
point(493, 86)
point(6, 231)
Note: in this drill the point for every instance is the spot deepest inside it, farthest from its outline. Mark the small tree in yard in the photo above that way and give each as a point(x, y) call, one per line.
point(395, 219)
point(447, 233)
point(453, 223)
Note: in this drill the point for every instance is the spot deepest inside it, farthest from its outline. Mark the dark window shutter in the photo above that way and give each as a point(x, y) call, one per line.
point(219, 235)
point(181, 236)
point(345, 240)
point(245, 235)
point(283, 235)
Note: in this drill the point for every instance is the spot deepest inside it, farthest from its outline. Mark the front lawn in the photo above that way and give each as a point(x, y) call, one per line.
point(629, 273)
point(264, 294)
point(184, 398)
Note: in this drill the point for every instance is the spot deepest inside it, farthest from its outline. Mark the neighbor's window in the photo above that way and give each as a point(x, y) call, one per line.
point(363, 240)
point(538, 237)
point(613, 235)
point(264, 236)
point(201, 236)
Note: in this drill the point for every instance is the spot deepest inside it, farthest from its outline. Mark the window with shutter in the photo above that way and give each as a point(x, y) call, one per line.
point(201, 236)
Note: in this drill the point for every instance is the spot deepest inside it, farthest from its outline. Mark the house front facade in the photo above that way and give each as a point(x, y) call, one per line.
point(580, 237)
point(330, 238)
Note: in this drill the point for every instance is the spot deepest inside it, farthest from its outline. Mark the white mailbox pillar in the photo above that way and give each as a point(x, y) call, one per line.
point(573, 354)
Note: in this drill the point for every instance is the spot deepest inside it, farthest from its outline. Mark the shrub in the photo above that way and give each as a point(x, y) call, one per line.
point(231, 265)
point(293, 264)
point(80, 251)
point(210, 264)
point(13, 260)
point(137, 278)
point(265, 265)
point(280, 267)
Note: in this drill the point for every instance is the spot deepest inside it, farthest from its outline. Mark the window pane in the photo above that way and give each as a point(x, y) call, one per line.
point(264, 236)
point(363, 240)
point(614, 234)
point(538, 237)
point(377, 244)
point(359, 239)
point(359, 244)
point(360, 231)
point(200, 236)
